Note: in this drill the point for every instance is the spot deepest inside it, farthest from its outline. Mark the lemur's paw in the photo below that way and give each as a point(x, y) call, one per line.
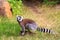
point(22, 33)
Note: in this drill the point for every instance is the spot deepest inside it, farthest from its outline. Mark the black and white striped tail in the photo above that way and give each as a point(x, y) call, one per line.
point(45, 30)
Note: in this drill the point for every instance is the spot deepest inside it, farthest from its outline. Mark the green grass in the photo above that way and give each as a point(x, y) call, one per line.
point(10, 29)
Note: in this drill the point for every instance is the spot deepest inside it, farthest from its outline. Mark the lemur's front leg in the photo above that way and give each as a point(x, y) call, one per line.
point(23, 30)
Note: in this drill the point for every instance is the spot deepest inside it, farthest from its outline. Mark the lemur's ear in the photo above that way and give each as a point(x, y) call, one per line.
point(22, 17)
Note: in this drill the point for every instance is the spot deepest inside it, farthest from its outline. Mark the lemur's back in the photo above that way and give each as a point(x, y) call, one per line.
point(25, 21)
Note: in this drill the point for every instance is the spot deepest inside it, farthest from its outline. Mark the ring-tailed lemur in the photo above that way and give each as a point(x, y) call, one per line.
point(30, 25)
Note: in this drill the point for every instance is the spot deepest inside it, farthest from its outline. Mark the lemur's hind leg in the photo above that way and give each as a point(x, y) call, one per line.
point(31, 28)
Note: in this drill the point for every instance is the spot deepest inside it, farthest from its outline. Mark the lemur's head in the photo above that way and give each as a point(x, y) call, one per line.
point(19, 18)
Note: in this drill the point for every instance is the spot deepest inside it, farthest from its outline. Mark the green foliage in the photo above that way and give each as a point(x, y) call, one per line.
point(47, 2)
point(16, 6)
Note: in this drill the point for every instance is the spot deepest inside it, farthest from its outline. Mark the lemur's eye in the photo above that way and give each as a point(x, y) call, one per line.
point(19, 19)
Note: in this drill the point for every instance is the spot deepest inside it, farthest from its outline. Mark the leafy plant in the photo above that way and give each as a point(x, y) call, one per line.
point(16, 6)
